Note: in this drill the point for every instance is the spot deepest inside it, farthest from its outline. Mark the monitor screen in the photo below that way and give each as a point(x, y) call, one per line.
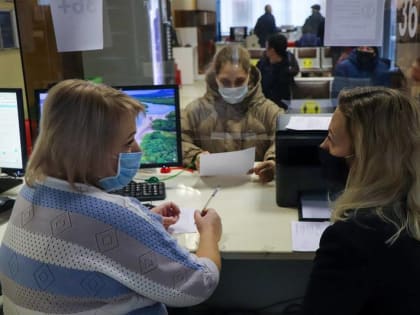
point(12, 131)
point(238, 33)
point(298, 165)
point(158, 131)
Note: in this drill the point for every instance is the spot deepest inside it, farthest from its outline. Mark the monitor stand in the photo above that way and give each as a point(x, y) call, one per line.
point(7, 183)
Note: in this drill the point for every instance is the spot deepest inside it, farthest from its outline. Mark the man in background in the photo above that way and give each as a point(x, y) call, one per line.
point(315, 23)
point(266, 25)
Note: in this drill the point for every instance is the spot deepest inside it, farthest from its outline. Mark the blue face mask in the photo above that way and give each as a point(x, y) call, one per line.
point(128, 165)
point(234, 95)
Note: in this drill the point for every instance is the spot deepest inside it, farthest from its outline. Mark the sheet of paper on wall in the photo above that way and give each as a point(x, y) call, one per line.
point(227, 163)
point(365, 19)
point(306, 235)
point(185, 224)
point(78, 25)
point(315, 122)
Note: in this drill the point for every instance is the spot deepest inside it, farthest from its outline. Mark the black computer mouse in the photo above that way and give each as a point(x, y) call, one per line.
point(6, 203)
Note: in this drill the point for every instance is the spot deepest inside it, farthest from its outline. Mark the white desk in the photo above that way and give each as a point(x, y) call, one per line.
point(254, 227)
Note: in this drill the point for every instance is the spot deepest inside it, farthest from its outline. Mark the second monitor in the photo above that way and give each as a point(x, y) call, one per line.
point(159, 130)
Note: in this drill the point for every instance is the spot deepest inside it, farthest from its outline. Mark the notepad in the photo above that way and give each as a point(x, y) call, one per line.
point(185, 224)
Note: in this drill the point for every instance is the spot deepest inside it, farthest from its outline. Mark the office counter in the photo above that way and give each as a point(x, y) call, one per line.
point(253, 225)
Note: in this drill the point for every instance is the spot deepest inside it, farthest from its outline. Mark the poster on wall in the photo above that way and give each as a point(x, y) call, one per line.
point(78, 24)
point(354, 23)
point(408, 43)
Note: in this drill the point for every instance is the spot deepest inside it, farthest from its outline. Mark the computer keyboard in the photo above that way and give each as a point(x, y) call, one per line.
point(7, 183)
point(144, 191)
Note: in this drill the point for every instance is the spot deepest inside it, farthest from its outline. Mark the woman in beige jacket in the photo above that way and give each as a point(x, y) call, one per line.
point(232, 115)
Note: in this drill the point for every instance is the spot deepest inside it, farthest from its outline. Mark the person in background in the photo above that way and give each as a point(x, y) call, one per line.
point(265, 26)
point(72, 247)
point(315, 24)
point(368, 259)
point(362, 63)
point(232, 115)
point(308, 39)
point(278, 68)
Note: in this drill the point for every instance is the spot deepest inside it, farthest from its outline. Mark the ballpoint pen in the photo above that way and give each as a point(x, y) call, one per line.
point(204, 210)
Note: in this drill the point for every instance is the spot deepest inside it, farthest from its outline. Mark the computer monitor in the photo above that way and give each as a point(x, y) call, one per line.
point(238, 33)
point(159, 130)
point(298, 165)
point(12, 132)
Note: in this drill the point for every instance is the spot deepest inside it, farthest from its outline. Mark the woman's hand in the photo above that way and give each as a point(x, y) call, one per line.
point(209, 223)
point(197, 159)
point(265, 170)
point(169, 212)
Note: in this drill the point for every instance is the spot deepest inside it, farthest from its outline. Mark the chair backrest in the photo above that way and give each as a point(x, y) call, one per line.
point(311, 89)
point(340, 83)
point(308, 57)
point(326, 58)
point(256, 53)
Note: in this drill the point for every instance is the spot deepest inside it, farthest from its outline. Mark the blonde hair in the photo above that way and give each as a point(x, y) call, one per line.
point(384, 125)
point(233, 54)
point(79, 126)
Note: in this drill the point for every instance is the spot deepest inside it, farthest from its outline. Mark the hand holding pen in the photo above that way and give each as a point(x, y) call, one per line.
point(204, 210)
point(208, 221)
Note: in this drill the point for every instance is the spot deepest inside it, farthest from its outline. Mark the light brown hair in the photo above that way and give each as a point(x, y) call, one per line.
point(79, 126)
point(384, 125)
point(233, 54)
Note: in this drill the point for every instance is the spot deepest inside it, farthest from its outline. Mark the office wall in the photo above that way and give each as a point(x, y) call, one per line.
point(184, 4)
point(11, 73)
point(209, 5)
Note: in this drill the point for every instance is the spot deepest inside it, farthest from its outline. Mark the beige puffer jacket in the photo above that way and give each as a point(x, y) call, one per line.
point(211, 124)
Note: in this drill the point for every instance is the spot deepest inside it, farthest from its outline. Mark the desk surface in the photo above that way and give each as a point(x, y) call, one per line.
point(254, 227)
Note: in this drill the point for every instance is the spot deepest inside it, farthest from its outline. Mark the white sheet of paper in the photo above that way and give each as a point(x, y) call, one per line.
point(78, 25)
point(185, 224)
point(315, 208)
point(309, 123)
point(227, 163)
point(306, 235)
point(365, 19)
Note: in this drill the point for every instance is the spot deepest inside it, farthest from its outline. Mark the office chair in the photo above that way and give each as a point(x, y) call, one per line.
point(340, 83)
point(311, 89)
point(326, 58)
point(308, 58)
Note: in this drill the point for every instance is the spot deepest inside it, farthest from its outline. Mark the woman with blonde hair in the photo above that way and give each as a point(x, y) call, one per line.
point(368, 260)
point(72, 247)
point(232, 115)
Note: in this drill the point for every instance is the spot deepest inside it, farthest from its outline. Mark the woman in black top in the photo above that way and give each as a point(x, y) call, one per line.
point(277, 67)
point(368, 261)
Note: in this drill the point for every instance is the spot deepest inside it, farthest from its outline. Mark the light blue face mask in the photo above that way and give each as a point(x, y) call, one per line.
point(234, 95)
point(128, 165)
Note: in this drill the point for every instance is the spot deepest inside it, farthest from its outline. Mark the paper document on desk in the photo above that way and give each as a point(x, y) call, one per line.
point(314, 207)
point(309, 123)
point(227, 163)
point(185, 224)
point(306, 235)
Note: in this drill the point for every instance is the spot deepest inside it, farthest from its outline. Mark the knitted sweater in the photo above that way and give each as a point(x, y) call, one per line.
point(90, 252)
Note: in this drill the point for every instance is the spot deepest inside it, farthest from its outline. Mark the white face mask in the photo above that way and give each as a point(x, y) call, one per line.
point(234, 95)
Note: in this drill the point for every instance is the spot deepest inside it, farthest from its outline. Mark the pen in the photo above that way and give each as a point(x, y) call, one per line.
point(204, 210)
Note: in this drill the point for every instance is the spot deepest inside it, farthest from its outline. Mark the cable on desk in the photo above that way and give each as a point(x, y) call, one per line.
point(154, 179)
